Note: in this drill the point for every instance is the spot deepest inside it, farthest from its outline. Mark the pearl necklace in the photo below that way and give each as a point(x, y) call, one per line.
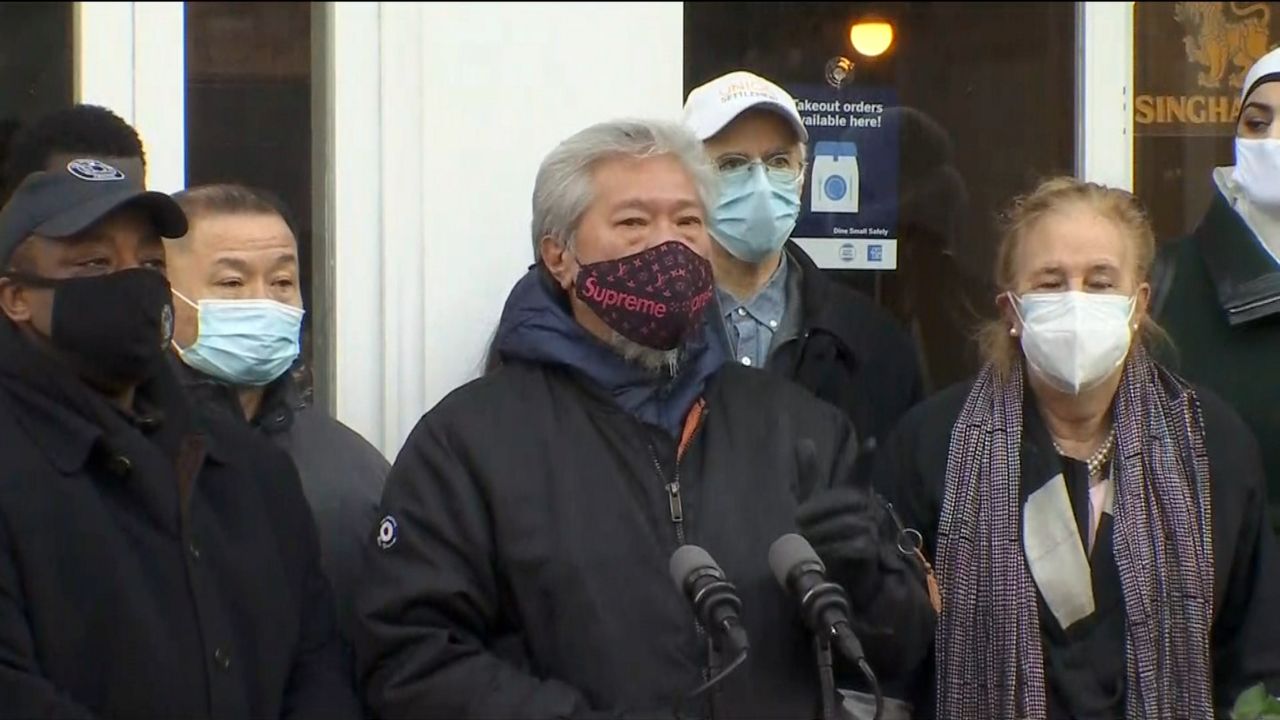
point(1099, 456)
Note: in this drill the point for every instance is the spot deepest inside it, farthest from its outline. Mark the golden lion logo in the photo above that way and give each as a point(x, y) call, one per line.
point(1217, 43)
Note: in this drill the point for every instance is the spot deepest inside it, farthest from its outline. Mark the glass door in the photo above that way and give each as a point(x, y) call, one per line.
point(965, 106)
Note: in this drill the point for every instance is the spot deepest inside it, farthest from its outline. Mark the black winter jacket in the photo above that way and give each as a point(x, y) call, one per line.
point(852, 354)
point(163, 565)
point(1215, 292)
point(342, 474)
point(521, 568)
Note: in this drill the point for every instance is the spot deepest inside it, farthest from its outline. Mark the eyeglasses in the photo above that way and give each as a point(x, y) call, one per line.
point(779, 166)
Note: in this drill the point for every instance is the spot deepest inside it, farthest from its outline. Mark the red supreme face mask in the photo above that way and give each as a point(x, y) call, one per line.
point(653, 298)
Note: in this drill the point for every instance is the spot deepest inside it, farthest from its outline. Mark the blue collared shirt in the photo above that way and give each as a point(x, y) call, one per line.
point(753, 324)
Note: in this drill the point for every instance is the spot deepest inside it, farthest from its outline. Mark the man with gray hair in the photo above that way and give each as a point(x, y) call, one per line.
point(521, 566)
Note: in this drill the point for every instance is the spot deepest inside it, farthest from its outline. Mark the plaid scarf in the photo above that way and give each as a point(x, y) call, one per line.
point(989, 655)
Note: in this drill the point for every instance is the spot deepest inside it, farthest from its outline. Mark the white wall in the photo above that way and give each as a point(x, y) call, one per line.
point(130, 57)
point(442, 113)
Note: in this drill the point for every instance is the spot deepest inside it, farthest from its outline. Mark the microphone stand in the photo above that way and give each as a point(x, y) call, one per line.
point(826, 676)
point(716, 674)
point(713, 669)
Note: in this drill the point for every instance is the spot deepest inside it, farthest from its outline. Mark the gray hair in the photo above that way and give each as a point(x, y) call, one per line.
point(562, 191)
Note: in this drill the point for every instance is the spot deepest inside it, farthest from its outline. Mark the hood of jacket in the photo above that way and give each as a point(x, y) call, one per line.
point(537, 326)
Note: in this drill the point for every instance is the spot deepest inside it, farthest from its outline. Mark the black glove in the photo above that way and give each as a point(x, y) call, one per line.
point(844, 527)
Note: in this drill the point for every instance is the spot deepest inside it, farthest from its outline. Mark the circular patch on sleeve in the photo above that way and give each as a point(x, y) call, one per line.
point(387, 532)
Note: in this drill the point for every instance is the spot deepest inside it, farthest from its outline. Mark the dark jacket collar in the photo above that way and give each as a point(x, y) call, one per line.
point(822, 309)
point(281, 400)
point(67, 419)
point(63, 436)
point(1244, 274)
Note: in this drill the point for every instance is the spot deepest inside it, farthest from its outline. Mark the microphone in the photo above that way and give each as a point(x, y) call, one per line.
point(715, 601)
point(824, 606)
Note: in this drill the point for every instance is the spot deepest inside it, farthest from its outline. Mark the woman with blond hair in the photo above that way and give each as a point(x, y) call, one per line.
point(1096, 524)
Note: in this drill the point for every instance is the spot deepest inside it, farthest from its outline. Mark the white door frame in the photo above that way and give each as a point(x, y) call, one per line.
point(376, 166)
point(1104, 93)
point(131, 58)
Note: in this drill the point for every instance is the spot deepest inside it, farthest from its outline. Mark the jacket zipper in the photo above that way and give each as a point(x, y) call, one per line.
point(676, 506)
point(674, 503)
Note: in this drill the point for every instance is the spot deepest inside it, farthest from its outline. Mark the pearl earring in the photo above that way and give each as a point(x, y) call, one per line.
point(1013, 332)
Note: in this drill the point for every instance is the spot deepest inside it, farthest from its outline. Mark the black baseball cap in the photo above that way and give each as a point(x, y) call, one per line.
point(64, 202)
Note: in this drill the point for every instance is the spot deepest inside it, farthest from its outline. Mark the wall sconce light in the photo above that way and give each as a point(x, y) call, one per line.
point(871, 38)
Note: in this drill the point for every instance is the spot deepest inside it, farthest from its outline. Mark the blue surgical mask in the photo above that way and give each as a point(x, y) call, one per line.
point(244, 342)
point(756, 213)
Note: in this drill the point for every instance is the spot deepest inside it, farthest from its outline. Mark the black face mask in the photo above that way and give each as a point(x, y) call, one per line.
point(114, 327)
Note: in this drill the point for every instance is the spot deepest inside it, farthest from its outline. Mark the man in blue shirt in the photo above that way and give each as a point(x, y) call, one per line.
point(781, 313)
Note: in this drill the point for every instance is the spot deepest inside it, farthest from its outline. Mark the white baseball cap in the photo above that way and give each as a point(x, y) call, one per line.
point(712, 106)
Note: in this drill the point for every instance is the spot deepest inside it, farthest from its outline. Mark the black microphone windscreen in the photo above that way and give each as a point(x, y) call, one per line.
point(789, 551)
point(685, 560)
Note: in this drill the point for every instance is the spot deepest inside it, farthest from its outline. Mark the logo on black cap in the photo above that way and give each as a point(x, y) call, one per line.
point(166, 324)
point(93, 170)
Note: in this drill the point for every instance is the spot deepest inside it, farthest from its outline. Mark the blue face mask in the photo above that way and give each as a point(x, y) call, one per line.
point(756, 213)
point(244, 342)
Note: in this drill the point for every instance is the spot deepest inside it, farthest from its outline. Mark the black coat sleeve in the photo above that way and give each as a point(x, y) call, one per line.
point(912, 381)
point(1246, 632)
point(899, 478)
point(24, 692)
point(320, 682)
point(896, 619)
point(429, 609)
point(909, 473)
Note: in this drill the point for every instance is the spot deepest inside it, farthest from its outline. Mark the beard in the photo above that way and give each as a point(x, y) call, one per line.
point(659, 363)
